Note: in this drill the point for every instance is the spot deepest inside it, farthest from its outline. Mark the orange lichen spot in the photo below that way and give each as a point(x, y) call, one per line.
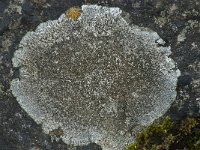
point(73, 13)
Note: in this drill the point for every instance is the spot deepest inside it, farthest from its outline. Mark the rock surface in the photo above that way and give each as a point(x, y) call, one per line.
point(177, 22)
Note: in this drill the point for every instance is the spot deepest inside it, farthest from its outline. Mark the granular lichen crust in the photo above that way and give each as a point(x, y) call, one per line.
point(97, 78)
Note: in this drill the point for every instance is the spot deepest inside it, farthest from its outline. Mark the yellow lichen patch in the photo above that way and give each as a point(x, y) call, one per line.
point(73, 13)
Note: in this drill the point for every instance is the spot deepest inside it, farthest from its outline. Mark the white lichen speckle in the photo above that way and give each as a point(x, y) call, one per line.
point(94, 79)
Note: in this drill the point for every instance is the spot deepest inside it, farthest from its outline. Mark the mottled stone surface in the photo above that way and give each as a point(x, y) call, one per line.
point(170, 19)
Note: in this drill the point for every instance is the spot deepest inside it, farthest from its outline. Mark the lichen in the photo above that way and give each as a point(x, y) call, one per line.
point(98, 78)
point(56, 132)
point(73, 13)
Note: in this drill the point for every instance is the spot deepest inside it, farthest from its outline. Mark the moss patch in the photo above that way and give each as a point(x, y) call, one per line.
point(168, 135)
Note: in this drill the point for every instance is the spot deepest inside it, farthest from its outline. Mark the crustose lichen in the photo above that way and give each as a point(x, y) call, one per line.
point(95, 79)
point(73, 13)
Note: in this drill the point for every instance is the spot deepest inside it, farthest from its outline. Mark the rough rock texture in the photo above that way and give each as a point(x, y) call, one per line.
point(177, 22)
point(97, 78)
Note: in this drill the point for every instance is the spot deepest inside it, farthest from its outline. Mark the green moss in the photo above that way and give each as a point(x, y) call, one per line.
point(132, 147)
point(152, 136)
point(167, 135)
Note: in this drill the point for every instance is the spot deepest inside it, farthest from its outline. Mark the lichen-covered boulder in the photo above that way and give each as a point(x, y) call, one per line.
point(97, 78)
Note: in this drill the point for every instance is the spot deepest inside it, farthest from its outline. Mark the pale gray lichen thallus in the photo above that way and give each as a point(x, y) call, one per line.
point(94, 79)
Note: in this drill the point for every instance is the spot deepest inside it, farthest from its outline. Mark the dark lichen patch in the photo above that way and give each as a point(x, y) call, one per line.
point(169, 135)
point(1, 90)
point(57, 132)
point(39, 2)
point(187, 125)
